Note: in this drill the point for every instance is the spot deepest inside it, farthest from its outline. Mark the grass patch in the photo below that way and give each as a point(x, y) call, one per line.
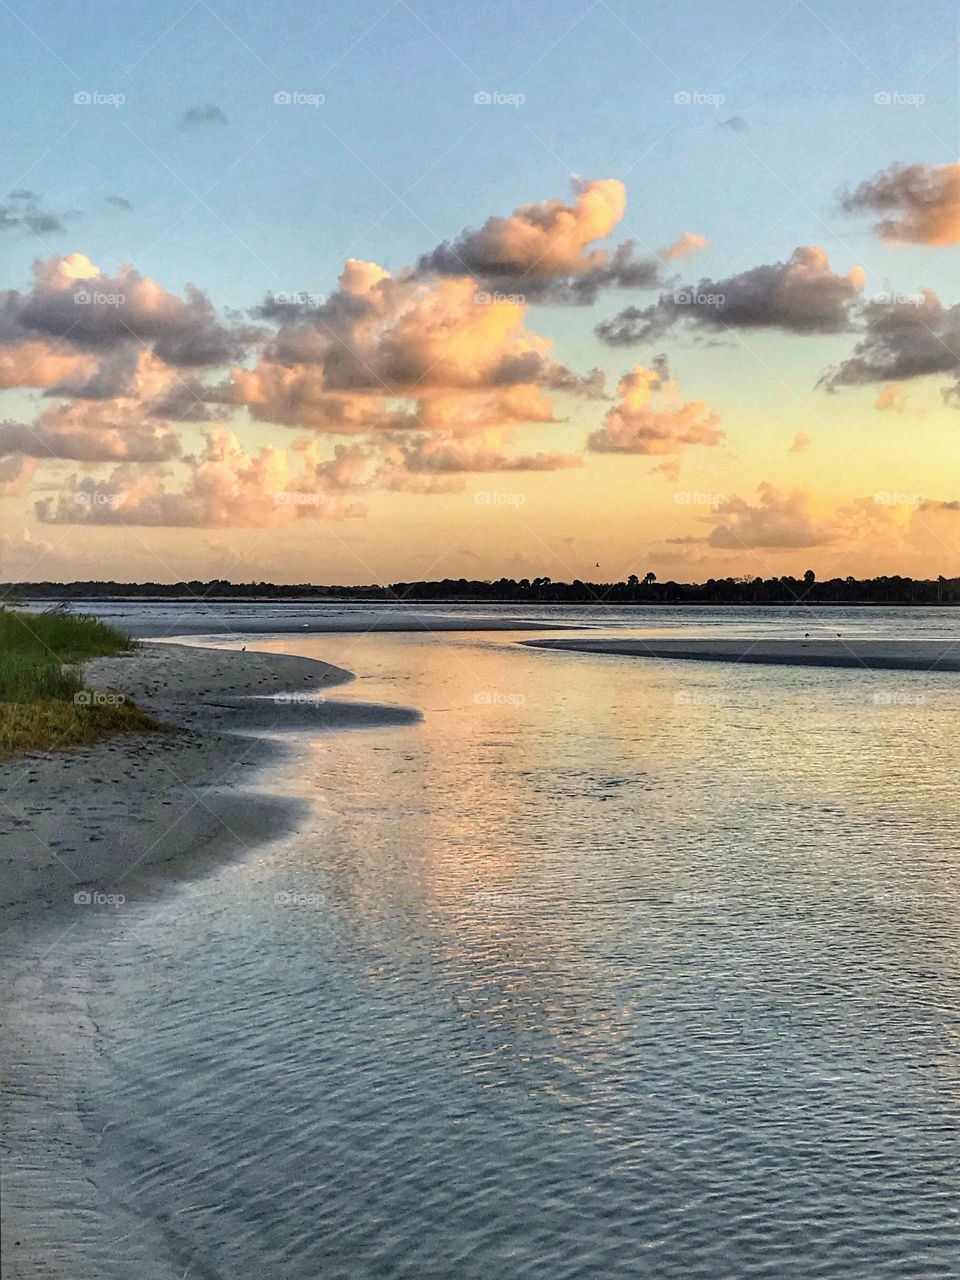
point(43, 703)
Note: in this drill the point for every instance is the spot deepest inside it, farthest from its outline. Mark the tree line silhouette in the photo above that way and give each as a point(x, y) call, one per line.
point(786, 590)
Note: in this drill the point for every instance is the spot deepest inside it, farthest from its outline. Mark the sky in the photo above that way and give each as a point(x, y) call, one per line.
point(390, 291)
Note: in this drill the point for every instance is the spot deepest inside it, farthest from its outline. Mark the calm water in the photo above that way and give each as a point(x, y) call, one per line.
point(607, 968)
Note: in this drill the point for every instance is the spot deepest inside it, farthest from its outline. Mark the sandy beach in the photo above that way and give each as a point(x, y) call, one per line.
point(871, 655)
point(113, 821)
point(102, 817)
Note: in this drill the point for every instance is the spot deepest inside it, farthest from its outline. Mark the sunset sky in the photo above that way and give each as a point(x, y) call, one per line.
point(381, 291)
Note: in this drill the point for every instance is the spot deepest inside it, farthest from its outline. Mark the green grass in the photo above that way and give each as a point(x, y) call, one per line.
point(43, 703)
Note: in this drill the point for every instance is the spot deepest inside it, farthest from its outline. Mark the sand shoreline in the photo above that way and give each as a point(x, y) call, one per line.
point(109, 816)
point(87, 832)
point(870, 655)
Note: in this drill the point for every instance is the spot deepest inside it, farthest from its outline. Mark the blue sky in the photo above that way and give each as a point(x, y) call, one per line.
point(268, 196)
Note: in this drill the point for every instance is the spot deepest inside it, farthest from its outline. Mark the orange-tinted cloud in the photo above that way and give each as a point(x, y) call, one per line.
point(635, 424)
point(921, 203)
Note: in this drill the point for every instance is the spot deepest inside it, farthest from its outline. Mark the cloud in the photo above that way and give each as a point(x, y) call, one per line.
point(15, 474)
point(892, 399)
point(635, 425)
point(921, 203)
point(450, 455)
point(118, 202)
point(402, 336)
point(736, 124)
point(800, 443)
point(73, 300)
point(685, 247)
point(90, 433)
point(38, 364)
point(206, 113)
point(23, 213)
point(902, 339)
point(224, 487)
point(543, 250)
point(801, 296)
point(777, 520)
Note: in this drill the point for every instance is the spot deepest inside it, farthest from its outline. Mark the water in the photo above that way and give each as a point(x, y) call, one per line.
point(244, 617)
point(607, 968)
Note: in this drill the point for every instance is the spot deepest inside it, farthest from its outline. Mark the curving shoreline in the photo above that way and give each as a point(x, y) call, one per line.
point(102, 818)
point(121, 818)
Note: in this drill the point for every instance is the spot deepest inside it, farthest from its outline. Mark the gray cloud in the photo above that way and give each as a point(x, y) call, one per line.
point(802, 295)
point(206, 113)
point(23, 213)
point(902, 339)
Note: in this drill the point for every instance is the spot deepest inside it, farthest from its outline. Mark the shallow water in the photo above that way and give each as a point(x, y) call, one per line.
point(609, 967)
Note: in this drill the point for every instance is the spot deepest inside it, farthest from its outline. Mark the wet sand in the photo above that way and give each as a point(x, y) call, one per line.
point(870, 655)
point(101, 818)
point(86, 829)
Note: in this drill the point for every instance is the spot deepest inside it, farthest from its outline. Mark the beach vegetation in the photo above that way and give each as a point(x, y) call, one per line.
point(44, 704)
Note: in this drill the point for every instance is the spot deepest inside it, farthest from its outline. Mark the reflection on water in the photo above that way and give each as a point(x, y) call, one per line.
point(607, 968)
